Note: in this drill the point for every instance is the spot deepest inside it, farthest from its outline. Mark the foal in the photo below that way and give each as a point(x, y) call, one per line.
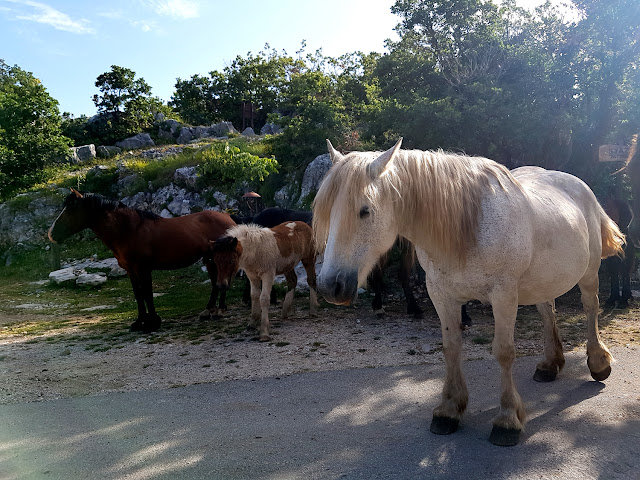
point(264, 253)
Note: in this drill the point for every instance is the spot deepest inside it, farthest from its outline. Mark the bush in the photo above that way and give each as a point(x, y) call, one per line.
point(226, 165)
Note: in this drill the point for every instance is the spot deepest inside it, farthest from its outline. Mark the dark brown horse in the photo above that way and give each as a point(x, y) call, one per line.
point(142, 241)
point(632, 169)
point(620, 268)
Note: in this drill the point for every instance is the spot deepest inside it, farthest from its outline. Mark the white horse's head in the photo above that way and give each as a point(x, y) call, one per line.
point(353, 223)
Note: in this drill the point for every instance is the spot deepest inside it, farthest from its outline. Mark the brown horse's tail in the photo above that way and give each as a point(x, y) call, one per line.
point(613, 240)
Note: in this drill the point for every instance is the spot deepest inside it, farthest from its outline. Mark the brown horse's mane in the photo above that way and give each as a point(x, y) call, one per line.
point(443, 190)
point(98, 203)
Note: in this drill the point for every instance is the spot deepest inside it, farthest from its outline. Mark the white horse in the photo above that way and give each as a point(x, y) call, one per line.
point(481, 233)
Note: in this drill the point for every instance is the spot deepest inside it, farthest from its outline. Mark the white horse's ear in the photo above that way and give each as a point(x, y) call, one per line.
point(375, 168)
point(336, 156)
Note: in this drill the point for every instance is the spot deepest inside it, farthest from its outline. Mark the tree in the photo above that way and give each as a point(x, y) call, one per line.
point(30, 137)
point(125, 106)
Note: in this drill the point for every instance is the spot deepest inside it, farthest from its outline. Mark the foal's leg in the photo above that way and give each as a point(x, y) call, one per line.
point(447, 415)
point(547, 369)
point(599, 358)
point(265, 301)
point(310, 267)
point(509, 422)
point(292, 281)
point(254, 283)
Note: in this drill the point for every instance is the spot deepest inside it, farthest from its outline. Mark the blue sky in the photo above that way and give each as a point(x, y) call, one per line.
point(67, 44)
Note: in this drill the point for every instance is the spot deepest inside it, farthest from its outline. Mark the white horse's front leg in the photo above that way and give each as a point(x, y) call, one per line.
point(447, 415)
point(509, 422)
point(265, 301)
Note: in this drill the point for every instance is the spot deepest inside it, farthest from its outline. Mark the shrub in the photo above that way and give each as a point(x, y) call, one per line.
point(226, 165)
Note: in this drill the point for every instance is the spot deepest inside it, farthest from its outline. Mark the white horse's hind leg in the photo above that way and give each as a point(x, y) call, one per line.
point(599, 358)
point(509, 422)
point(548, 369)
point(447, 415)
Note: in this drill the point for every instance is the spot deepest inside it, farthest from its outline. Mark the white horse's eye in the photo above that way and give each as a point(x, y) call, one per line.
point(364, 212)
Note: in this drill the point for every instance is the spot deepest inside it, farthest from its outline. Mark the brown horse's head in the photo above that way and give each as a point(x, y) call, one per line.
point(225, 252)
point(75, 216)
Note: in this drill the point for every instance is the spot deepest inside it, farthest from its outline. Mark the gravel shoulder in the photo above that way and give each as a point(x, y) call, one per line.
point(70, 362)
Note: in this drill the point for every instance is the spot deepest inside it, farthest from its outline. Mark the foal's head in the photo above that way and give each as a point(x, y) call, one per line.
point(225, 253)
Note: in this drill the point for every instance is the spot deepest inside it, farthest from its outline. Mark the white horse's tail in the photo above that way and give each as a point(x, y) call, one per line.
point(613, 240)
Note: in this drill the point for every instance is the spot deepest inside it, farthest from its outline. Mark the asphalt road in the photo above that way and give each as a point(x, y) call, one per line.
point(351, 424)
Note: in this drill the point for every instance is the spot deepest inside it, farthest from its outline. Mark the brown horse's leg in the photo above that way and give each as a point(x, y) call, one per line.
point(627, 270)
point(407, 262)
point(137, 326)
point(152, 319)
point(292, 281)
point(548, 369)
point(447, 415)
point(211, 310)
point(376, 282)
point(599, 358)
point(265, 301)
point(509, 422)
point(310, 268)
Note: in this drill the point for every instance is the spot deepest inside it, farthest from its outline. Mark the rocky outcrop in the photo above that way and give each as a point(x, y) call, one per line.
point(313, 176)
point(105, 151)
point(140, 140)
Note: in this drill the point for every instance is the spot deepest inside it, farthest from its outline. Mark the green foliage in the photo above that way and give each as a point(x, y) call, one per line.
point(30, 136)
point(125, 108)
point(224, 164)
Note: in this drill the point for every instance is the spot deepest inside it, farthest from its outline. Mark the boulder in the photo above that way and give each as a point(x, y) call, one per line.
point(223, 129)
point(270, 129)
point(83, 154)
point(313, 175)
point(185, 136)
point(248, 132)
point(63, 275)
point(107, 151)
point(91, 279)
point(140, 140)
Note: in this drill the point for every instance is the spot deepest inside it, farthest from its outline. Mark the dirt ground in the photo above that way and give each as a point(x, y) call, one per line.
point(70, 362)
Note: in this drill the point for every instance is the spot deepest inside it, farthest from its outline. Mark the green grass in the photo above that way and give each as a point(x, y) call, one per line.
point(61, 317)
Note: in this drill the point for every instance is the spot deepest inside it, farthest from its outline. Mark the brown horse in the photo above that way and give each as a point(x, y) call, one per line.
point(142, 241)
point(632, 168)
point(264, 253)
point(620, 267)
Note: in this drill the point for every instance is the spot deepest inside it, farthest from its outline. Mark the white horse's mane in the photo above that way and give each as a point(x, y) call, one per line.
point(439, 192)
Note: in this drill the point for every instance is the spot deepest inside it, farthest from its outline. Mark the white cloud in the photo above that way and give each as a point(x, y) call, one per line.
point(175, 8)
point(43, 13)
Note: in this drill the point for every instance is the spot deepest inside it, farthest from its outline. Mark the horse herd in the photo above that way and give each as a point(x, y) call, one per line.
point(480, 232)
